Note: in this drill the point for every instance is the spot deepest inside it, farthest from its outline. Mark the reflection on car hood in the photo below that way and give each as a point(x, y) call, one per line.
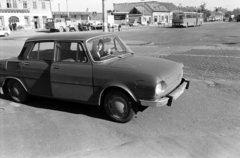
point(154, 66)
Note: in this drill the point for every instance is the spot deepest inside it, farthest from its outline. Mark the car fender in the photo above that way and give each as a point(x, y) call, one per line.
point(116, 85)
point(4, 85)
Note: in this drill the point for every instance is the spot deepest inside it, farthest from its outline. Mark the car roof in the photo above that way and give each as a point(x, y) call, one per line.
point(66, 36)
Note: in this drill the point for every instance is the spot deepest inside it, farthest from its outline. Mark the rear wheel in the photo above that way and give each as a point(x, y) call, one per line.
point(118, 106)
point(17, 92)
point(67, 29)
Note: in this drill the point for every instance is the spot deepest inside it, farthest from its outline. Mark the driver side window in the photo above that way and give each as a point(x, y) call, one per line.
point(71, 52)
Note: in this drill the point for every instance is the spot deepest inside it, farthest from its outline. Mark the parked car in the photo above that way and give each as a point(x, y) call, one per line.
point(4, 31)
point(91, 68)
point(134, 24)
point(237, 18)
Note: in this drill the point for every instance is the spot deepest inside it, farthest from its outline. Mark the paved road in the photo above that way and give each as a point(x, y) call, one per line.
point(203, 122)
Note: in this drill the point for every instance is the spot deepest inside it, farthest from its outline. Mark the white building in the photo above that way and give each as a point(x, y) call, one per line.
point(26, 13)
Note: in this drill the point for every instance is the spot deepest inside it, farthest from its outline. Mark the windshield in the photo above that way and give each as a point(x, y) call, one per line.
point(178, 16)
point(107, 47)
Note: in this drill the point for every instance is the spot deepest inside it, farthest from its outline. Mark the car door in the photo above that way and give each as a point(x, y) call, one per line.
point(71, 73)
point(36, 68)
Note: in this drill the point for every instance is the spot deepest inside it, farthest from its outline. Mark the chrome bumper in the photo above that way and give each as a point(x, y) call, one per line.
point(1, 90)
point(169, 98)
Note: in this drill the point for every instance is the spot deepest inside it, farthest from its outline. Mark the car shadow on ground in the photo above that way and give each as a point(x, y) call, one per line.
point(63, 106)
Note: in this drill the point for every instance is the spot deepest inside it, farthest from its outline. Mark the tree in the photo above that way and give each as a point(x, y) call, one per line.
point(236, 11)
point(228, 14)
point(206, 13)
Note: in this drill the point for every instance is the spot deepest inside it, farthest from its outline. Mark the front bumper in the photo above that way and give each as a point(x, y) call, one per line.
point(167, 100)
point(1, 90)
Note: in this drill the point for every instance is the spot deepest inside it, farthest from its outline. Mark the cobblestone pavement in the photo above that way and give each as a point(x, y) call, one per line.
point(213, 64)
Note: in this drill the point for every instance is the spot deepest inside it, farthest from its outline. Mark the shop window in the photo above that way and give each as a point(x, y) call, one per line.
point(14, 3)
point(9, 4)
point(13, 19)
point(24, 4)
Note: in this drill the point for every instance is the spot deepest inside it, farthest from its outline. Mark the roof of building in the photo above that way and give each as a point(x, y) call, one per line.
point(168, 6)
point(157, 7)
point(150, 6)
point(140, 10)
point(66, 36)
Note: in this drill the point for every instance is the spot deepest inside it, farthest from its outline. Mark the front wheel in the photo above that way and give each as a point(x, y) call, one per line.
point(118, 106)
point(6, 34)
point(17, 92)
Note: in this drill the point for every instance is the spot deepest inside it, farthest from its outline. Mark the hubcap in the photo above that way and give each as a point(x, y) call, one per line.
point(118, 107)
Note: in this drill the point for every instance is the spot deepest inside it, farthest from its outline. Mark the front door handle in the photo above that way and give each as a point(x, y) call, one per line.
point(25, 63)
point(55, 67)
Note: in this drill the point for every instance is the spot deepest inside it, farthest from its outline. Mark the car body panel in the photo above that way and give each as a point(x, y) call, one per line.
point(89, 81)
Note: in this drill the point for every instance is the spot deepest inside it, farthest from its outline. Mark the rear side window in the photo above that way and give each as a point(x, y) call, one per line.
point(25, 50)
point(42, 51)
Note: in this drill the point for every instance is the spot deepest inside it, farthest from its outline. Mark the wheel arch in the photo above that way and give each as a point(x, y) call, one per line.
point(4, 85)
point(115, 87)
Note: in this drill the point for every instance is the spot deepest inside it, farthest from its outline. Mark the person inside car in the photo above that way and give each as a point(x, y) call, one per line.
point(98, 50)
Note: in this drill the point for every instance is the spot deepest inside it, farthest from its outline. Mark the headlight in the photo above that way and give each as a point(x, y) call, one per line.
point(160, 88)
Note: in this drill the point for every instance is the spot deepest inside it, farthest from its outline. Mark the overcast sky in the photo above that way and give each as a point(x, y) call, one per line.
point(96, 5)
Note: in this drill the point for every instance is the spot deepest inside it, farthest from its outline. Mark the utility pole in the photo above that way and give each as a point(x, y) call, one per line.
point(51, 7)
point(67, 8)
point(104, 16)
point(143, 11)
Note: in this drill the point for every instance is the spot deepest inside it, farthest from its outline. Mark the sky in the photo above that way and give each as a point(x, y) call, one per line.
point(96, 5)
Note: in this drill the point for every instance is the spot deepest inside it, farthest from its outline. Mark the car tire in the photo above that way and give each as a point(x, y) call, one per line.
point(67, 29)
point(17, 92)
point(61, 29)
point(119, 106)
point(6, 34)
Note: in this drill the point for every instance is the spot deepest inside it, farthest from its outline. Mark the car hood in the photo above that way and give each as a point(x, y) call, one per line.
point(155, 66)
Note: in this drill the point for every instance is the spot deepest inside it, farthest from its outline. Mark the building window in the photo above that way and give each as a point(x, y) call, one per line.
point(14, 3)
point(9, 4)
point(24, 4)
point(27, 20)
point(34, 5)
point(0, 5)
point(43, 5)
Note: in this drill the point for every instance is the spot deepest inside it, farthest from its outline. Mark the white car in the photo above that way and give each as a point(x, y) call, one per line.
point(4, 31)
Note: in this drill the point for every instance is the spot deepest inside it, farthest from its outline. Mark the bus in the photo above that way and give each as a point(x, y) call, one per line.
point(186, 19)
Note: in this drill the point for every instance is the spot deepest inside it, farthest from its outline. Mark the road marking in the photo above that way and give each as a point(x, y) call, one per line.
point(206, 56)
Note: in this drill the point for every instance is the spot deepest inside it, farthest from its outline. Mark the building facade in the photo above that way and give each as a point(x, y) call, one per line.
point(26, 13)
point(153, 12)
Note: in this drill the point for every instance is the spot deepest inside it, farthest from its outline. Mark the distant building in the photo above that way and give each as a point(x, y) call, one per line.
point(152, 12)
point(26, 13)
point(78, 16)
